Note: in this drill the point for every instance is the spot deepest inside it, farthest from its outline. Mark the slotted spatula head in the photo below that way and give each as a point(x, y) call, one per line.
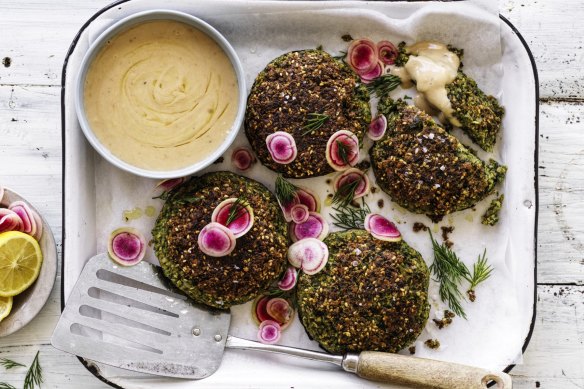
point(129, 317)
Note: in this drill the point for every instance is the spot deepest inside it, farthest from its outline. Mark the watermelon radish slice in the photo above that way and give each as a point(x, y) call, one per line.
point(282, 311)
point(342, 150)
point(25, 213)
point(308, 198)
point(347, 180)
point(242, 222)
point(282, 147)
point(362, 55)
point(381, 228)
point(289, 280)
point(216, 240)
point(377, 127)
point(170, 183)
point(299, 213)
point(9, 220)
point(126, 246)
point(242, 158)
point(374, 73)
point(315, 226)
point(387, 52)
point(310, 254)
point(269, 332)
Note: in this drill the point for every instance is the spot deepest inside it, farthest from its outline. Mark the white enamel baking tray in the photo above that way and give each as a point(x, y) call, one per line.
point(83, 172)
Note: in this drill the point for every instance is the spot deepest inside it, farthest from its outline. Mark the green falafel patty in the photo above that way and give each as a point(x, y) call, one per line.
point(292, 87)
point(371, 295)
point(425, 169)
point(258, 260)
point(480, 115)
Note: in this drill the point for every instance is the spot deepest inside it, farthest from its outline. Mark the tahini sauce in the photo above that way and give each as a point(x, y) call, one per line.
point(432, 66)
point(161, 95)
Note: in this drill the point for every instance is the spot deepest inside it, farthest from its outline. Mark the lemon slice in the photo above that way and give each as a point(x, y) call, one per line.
point(20, 262)
point(5, 306)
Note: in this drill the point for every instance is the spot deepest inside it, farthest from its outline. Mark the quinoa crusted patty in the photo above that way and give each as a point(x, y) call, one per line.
point(371, 295)
point(290, 88)
point(258, 260)
point(425, 169)
point(479, 114)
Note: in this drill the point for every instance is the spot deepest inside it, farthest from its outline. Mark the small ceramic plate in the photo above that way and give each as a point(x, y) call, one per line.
point(30, 302)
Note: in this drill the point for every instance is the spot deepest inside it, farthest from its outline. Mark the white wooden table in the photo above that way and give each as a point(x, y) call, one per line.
point(35, 35)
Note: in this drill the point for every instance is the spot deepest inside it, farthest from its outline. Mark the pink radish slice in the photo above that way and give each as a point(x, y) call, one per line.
point(23, 210)
point(350, 144)
point(362, 55)
point(170, 183)
point(373, 73)
point(314, 227)
point(39, 226)
point(346, 179)
point(289, 280)
point(242, 222)
point(9, 220)
point(269, 332)
point(287, 208)
point(381, 228)
point(387, 52)
point(282, 147)
point(299, 213)
point(377, 127)
point(281, 311)
point(216, 240)
point(126, 246)
point(308, 198)
point(259, 312)
point(309, 254)
point(242, 158)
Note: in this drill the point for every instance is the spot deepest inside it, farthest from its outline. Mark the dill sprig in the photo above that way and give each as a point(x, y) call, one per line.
point(480, 272)
point(236, 209)
point(343, 151)
point(383, 85)
point(315, 121)
point(34, 375)
point(10, 364)
point(350, 217)
point(346, 193)
point(285, 190)
point(449, 271)
point(4, 385)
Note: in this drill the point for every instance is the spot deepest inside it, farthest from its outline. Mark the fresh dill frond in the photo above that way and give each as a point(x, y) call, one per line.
point(350, 217)
point(4, 385)
point(383, 85)
point(236, 209)
point(10, 364)
point(449, 271)
point(285, 190)
point(34, 375)
point(480, 272)
point(314, 122)
point(346, 193)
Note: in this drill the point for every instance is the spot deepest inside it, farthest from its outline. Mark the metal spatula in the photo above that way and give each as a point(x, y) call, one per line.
point(130, 317)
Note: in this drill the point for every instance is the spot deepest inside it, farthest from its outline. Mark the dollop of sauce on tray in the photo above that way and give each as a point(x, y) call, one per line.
point(432, 66)
point(161, 95)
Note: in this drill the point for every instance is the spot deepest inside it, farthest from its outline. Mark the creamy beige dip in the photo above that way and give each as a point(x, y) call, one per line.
point(161, 95)
point(432, 66)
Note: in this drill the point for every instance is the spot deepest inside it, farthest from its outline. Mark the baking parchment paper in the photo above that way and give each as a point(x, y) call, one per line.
point(261, 31)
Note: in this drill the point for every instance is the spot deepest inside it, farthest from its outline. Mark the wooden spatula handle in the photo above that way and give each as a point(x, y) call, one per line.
point(426, 373)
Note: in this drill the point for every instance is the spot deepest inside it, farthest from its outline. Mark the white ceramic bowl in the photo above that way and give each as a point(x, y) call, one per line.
point(29, 303)
point(126, 23)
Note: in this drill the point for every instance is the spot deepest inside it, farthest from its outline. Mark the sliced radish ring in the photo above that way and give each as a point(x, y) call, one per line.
point(241, 223)
point(216, 240)
point(308, 198)
point(387, 52)
point(287, 208)
point(288, 281)
point(39, 226)
point(342, 150)
point(377, 127)
point(310, 254)
point(381, 228)
point(373, 73)
point(346, 180)
point(269, 332)
point(170, 183)
point(282, 147)
point(9, 220)
point(315, 226)
point(126, 246)
point(242, 158)
point(280, 310)
point(362, 55)
point(25, 213)
point(258, 309)
point(299, 213)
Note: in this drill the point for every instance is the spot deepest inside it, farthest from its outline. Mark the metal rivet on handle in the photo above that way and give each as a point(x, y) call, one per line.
point(196, 331)
point(218, 338)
